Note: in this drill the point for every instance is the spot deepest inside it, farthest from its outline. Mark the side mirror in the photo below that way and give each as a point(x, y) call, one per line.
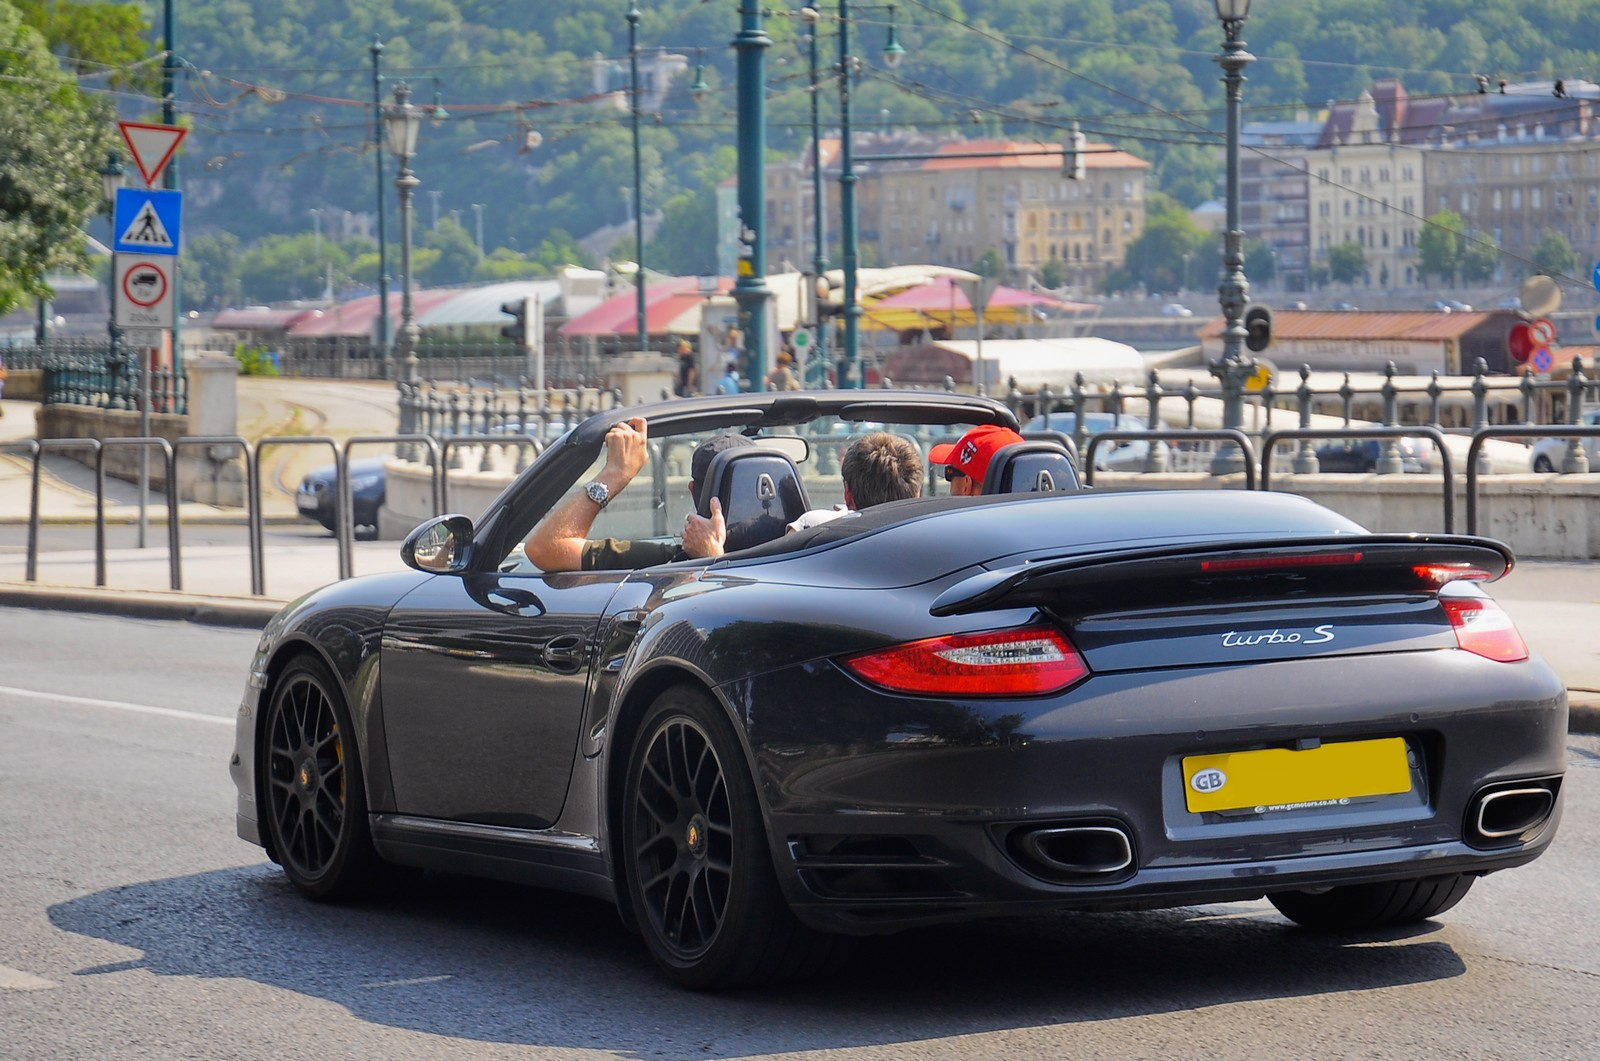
point(439, 546)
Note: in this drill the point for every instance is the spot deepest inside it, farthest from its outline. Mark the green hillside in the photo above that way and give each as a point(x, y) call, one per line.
point(279, 94)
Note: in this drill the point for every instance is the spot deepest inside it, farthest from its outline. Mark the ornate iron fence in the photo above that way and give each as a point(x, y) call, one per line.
point(89, 372)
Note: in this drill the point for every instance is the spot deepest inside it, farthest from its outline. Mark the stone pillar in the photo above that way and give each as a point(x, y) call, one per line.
point(212, 474)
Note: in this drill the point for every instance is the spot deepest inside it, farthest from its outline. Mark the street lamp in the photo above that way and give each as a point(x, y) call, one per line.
point(819, 247)
point(111, 176)
point(382, 319)
point(1233, 292)
point(401, 122)
point(750, 289)
point(892, 54)
point(638, 177)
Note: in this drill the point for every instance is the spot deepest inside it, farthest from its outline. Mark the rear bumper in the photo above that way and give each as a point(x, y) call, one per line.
point(914, 814)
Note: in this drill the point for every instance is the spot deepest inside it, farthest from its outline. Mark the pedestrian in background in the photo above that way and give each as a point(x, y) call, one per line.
point(729, 384)
point(783, 377)
point(687, 376)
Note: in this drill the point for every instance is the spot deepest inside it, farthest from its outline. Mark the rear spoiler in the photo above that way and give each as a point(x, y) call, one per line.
point(1213, 572)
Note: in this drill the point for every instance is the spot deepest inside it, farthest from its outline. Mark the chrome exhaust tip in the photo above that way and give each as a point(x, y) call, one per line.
point(1512, 812)
point(1079, 851)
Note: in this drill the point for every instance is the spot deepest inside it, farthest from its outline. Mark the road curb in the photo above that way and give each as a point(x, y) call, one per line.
point(1583, 711)
point(186, 607)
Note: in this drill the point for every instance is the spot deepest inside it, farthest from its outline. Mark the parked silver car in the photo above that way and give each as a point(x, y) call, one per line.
point(1548, 453)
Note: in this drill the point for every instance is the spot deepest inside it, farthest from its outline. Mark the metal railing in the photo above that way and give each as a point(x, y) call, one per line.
point(1572, 431)
point(439, 454)
point(1272, 438)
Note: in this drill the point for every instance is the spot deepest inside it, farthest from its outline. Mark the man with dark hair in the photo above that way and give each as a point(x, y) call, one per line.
point(877, 468)
point(561, 540)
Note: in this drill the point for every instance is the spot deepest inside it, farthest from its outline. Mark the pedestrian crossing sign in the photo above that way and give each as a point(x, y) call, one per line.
point(146, 221)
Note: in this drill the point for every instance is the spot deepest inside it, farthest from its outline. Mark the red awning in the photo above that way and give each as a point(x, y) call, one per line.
point(664, 302)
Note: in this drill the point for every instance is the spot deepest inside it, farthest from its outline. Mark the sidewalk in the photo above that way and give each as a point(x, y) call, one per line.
point(1555, 604)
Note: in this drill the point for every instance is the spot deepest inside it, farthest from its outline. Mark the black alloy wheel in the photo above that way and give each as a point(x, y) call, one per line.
point(699, 875)
point(1542, 463)
point(315, 808)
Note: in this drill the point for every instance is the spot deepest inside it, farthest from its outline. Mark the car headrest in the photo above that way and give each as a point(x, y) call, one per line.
point(1036, 466)
point(753, 484)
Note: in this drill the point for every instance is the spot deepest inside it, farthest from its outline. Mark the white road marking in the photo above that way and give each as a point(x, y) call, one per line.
point(17, 980)
point(116, 705)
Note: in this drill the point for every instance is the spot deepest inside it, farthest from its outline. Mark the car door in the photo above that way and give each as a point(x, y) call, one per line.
point(484, 679)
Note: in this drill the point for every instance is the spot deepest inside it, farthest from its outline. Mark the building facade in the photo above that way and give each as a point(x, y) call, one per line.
point(943, 201)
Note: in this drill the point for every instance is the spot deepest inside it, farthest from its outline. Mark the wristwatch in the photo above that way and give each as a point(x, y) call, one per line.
point(598, 492)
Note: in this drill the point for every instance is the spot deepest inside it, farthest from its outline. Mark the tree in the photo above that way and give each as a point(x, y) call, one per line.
point(458, 254)
point(208, 265)
point(1170, 246)
point(52, 145)
point(1553, 256)
point(1260, 261)
point(1479, 259)
point(681, 244)
point(1053, 274)
point(1439, 245)
point(1346, 262)
point(503, 264)
point(990, 263)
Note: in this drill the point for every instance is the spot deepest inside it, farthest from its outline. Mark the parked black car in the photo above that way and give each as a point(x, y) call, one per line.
point(1363, 454)
point(318, 490)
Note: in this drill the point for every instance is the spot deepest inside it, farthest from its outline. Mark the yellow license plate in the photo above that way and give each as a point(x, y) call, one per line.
point(1286, 779)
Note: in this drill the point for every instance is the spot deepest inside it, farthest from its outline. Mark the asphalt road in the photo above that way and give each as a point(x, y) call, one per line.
point(133, 924)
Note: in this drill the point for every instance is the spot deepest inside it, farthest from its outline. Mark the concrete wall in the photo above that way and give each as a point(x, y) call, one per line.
point(1549, 516)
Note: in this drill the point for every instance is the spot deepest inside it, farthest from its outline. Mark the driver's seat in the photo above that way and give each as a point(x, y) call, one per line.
point(760, 493)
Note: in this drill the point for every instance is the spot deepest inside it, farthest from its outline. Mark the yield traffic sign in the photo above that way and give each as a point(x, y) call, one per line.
point(152, 146)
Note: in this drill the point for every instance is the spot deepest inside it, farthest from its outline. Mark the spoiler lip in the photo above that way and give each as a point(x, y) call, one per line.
point(997, 587)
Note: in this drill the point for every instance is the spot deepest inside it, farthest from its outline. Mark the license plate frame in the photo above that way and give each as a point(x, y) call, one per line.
point(1268, 780)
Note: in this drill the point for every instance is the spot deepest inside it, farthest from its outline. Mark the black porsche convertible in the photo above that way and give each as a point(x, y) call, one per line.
point(946, 708)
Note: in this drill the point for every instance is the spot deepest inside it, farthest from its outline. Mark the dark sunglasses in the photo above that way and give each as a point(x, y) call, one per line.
point(952, 473)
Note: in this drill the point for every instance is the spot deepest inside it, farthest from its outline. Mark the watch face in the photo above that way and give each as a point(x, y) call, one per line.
point(597, 492)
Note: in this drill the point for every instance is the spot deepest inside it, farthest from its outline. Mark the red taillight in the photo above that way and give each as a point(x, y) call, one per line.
point(1437, 575)
point(1027, 662)
point(1484, 628)
point(1275, 563)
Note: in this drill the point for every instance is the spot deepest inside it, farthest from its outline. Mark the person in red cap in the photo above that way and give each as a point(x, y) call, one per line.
point(966, 460)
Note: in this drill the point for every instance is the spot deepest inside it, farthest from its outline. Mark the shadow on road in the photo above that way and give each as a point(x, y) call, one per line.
point(498, 963)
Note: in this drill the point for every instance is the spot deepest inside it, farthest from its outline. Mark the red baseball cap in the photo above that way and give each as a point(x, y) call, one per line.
point(971, 453)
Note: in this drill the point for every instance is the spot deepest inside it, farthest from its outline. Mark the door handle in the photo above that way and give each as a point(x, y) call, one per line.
point(564, 654)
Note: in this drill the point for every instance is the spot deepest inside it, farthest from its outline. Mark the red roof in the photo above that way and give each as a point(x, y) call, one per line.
point(664, 302)
point(356, 317)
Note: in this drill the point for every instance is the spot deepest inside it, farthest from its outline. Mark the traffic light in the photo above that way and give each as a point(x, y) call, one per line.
point(1257, 328)
point(517, 330)
point(1074, 167)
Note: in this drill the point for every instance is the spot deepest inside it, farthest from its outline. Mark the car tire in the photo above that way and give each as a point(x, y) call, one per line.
point(1542, 463)
point(1356, 906)
point(313, 798)
point(699, 874)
